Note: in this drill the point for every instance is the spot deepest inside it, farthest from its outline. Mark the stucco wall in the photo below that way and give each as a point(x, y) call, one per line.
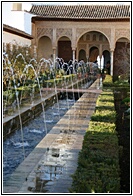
point(45, 52)
point(12, 38)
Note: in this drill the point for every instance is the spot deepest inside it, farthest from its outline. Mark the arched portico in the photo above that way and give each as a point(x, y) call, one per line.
point(93, 43)
point(62, 47)
point(83, 34)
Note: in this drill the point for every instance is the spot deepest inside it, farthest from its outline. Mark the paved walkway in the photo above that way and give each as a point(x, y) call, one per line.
point(49, 166)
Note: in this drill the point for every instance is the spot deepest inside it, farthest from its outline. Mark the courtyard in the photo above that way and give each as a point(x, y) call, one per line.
point(87, 66)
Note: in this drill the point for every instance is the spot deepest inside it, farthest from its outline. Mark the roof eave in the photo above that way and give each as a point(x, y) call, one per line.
point(16, 32)
point(40, 18)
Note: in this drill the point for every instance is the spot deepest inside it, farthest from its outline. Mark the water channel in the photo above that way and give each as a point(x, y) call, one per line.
point(33, 132)
point(15, 150)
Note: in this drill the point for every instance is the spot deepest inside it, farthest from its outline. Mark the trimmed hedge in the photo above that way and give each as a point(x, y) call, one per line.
point(108, 82)
point(98, 162)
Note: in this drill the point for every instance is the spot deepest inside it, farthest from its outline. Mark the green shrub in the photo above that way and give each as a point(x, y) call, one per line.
point(108, 82)
point(98, 161)
point(126, 101)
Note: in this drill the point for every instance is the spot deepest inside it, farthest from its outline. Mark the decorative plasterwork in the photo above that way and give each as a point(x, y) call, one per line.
point(119, 33)
point(105, 47)
point(44, 32)
point(94, 45)
point(82, 46)
point(105, 31)
point(64, 32)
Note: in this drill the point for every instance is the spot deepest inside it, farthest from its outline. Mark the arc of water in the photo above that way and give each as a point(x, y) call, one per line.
point(67, 102)
point(26, 68)
point(22, 136)
point(16, 93)
point(57, 97)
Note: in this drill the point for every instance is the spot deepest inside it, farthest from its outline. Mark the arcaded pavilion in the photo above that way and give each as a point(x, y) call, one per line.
point(83, 32)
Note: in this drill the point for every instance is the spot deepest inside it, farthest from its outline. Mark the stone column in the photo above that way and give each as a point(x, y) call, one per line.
point(73, 44)
point(87, 57)
point(100, 57)
point(111, 63)
point(54, 56)
point(73, 54)
point(100, 54)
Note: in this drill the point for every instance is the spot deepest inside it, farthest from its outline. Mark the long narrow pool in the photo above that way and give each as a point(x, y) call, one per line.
point(19, 145)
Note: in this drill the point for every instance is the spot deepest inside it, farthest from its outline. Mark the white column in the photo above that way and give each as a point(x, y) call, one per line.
point(100, 62)
point(73, 55)
point(100, 54)
point(112, 59)
point(54, 56)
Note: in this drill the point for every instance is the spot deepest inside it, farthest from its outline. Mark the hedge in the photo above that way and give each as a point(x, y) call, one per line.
point(98, 162)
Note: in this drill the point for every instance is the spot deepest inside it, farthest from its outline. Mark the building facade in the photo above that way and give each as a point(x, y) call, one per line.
point(83, 32)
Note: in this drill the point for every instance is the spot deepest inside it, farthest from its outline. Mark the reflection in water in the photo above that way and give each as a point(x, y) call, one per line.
point(32, 135)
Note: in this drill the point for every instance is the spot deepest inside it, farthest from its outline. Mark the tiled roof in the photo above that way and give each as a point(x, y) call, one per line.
point(82, 11)
point(16, 31)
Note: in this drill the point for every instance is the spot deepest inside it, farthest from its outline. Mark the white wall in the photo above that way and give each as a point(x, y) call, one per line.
point(11, 38)
point(27, 23)
point(18, 19)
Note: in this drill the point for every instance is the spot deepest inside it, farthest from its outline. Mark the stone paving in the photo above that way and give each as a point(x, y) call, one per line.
point(49, 167)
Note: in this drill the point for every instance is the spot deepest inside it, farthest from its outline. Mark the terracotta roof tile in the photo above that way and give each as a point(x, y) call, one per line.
point(82, 11)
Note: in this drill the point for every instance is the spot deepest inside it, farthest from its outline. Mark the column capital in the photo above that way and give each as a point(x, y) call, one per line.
point(111, 49)
point(100, 56)
point(73, 48)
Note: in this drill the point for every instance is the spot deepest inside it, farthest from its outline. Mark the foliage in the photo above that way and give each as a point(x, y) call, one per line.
point(9, 96)
point(98, 161)
point(126, 101)
point(108, 82)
